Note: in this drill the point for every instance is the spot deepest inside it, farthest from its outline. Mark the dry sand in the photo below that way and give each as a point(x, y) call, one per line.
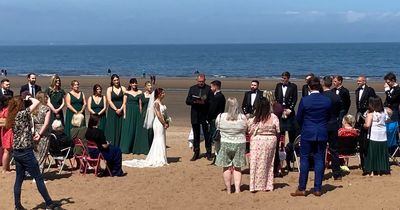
point(196, 185)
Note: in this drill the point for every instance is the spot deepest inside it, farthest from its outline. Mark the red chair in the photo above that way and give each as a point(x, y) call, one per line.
point(78, 143)
point(93, 163)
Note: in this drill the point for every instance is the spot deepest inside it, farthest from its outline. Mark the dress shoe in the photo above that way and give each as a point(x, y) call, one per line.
point(317, 193)
point(339, 178)
point(195, 156)
point(298, 193)
point(209, 157)
point(214, 159)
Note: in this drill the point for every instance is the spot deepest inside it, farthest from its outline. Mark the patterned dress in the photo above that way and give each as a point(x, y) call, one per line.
point(41, 147)
point(262, 152)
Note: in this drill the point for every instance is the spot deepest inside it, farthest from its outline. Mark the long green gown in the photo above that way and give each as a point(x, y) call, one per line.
point(97, 108)
point(132, 127)
point(150, 133)
point(77, 103)
point(114, 121)
point(56, 98)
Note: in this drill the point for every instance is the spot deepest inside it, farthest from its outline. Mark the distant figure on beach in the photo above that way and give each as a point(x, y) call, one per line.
point(31, 87)
point(5, 88)
point(392, 91)
point(344, 95)
point(251, 98)
point(5, 72)
point(196, 72)
point(305, 91)
point(286, 95)
point(144, 74)
point(2, 72)
point(198, 98)
point(109, 72)
point(153, 79)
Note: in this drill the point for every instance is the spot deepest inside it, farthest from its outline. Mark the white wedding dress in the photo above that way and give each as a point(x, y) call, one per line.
point(157, 156)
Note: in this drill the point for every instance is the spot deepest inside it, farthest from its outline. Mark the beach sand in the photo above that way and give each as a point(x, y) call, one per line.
point(196, 185)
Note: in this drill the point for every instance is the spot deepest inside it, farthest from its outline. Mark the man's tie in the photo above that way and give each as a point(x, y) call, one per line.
point(32, 91)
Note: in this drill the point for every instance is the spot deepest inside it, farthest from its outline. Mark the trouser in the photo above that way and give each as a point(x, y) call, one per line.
point(277, 160)
point(213, 128)
point(196, 137)
point(25, 161)
point(290, 147)
point(333, 141)
point(113, 156)
point(317, 149)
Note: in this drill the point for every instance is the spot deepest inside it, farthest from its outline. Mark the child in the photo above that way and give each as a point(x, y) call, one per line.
point(348, 130)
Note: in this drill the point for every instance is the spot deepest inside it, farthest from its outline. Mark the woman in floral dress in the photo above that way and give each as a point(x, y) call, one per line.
point(263, 129)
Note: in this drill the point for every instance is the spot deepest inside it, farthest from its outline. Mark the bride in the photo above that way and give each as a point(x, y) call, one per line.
point(156, 117)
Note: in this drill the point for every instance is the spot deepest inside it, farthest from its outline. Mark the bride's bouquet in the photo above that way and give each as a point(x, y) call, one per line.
point(167, 118)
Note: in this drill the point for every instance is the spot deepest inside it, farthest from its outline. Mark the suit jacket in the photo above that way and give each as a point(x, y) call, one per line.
point(313, 115)
point(246, 104)
point(304, 90)
point(9, 93)
point(217, 106)
point(290, 99)
point(393, 100)
point(198, 112)
point(344, 95)
point(333, 124)
point(26, 88)
point(362, 104)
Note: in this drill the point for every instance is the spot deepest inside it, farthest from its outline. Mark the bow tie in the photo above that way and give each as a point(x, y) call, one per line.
point(254, 91)
point(284, 85)
point(361, 88)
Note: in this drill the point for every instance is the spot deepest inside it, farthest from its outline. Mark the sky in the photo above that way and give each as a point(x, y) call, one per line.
point(197, 21)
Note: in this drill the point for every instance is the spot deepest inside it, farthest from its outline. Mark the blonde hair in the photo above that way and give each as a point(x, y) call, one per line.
point(53, 81)
point(77, 120)
point(42, 98)
point(270, 97)
point(232, 109)
point(349, 119)
point(57, 125)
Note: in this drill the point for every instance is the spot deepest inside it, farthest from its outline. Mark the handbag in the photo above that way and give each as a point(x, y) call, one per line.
point(216, 137)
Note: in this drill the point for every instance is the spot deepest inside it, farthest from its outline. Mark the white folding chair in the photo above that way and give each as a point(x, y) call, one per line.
point(296, 145)
point(53, 159)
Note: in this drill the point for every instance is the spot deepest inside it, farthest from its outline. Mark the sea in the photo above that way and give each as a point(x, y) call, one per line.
point(216, 60)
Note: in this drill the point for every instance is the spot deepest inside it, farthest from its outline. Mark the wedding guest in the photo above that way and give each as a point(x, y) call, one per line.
point(217, 106)
point(147, 98)
point(132, 125)
point(115, 95)
point(31, 87)
point(363, 93)
point(277, 109)
point(97, 105)
point(231, 156)
point(263, 129)
point(333, 126)
point(6, 134)
point(392, 91)
point(5, 88)
point(305, 91)
point(20, 121)
point(286, 95)
point(198, 98)
point(76, 104)
point(344, 95)
point(251, 98)
point(78, 131)
point(56, 99)
point(111, 153)
point(377, 158)
point(348, 129)
point(313, 115)
point(61, 140)
point(41, 122)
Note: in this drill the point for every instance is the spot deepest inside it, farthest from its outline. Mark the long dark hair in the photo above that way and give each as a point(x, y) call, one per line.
point(375, 104)
point(95, 88)
point(112, 78)
point(93, 121)
point(132, 81)
point(263, 110)
point(157, 92)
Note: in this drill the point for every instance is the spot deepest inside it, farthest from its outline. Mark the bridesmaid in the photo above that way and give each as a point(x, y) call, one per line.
point(148, 90)
point(56, 100)
point(132, 125)
point(97, 105)
point(115, 95)
point(76, 104)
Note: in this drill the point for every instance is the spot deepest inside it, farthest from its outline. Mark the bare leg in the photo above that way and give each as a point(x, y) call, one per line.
point(227, 179)
point(6, 160)
point(237, 176)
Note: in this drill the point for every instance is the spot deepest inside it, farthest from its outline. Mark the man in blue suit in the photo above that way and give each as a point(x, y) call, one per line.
point(313, 115)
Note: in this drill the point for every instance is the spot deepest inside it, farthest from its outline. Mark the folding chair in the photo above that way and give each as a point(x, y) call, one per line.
point(347, 147)
point(52, 158)
point(392, 131)
point(296, 151)
point(93, 163)
point(79, 158)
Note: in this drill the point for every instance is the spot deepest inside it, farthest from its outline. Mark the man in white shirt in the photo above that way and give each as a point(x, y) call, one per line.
point(32, 87)
point(5, 88)
point(251, 97)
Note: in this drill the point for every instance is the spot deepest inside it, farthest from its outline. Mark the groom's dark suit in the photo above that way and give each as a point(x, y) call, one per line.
point(247, 106)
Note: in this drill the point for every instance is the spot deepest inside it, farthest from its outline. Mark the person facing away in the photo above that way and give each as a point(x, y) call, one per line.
point(344, 95)
point(5, 88)
point(313, 115)
point(217, 106)
point(32, 87)
point(198, 98)
point(333, 126)
point(251, 98)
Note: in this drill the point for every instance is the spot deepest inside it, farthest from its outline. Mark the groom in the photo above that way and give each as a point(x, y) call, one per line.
point(198, 98)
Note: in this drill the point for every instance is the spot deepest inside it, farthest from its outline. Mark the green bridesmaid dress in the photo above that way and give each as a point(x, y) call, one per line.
point(149, 132)
point(132, 127)
point(77, 103)
point(97, 108)
point(56, 98)
point(114, 121)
